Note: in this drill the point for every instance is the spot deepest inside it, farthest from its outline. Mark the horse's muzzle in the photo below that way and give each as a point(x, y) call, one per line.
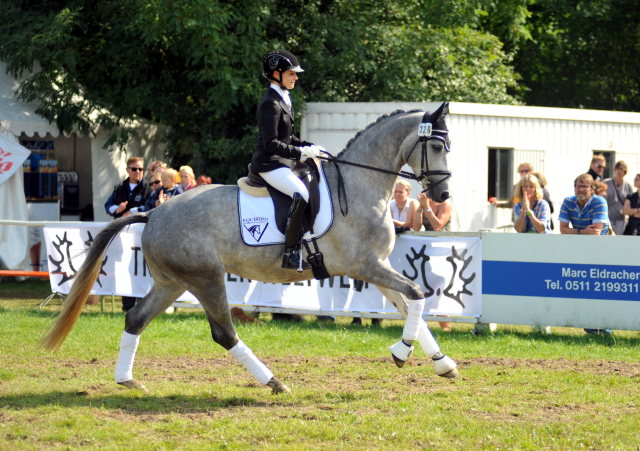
point(443, 196)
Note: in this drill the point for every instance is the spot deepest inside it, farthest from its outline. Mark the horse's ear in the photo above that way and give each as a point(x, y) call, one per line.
point(439, 114)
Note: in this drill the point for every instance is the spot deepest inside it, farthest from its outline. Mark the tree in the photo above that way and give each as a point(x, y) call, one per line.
point(582, 54)
point(195, 65)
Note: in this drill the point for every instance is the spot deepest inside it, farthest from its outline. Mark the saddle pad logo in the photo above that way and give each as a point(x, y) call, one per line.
point(256, 226)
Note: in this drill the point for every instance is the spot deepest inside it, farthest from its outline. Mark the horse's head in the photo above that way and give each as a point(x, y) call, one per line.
point(428, 158)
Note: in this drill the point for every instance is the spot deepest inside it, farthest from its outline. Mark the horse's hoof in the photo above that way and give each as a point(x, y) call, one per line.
point(132, 383)
point(277, 387)
point(399, 363)
point(450, 374)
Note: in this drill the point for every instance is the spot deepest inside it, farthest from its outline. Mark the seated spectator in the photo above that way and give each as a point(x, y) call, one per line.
point(187, 178)
point(402, 208)
point(203, 180)
point(587, 213)
point(631, 208)
point(618, 191)
point(532, 213)
point(169, 187)
point(545, 195)
point(601, 189)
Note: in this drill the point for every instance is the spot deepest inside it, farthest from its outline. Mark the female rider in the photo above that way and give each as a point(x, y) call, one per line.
point(278, 149)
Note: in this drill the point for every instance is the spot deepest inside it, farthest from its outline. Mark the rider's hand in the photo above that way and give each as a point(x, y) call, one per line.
point(309, 152)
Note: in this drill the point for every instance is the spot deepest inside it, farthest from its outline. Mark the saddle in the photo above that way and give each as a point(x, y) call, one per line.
point(309, 174)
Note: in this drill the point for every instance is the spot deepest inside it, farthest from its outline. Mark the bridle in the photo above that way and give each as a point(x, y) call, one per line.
point(425, 133)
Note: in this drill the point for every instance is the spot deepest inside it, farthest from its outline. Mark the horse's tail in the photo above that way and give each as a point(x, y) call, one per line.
point(85, 279)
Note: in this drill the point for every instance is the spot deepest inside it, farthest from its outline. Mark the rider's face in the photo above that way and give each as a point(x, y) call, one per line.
point(289, 78)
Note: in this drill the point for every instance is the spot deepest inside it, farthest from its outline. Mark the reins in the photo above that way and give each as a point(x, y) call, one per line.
point(425, 133)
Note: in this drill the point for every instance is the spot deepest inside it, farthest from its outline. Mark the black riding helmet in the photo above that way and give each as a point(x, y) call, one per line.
point(281, 61)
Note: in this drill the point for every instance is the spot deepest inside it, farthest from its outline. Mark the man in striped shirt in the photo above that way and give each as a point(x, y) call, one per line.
point(587, 213)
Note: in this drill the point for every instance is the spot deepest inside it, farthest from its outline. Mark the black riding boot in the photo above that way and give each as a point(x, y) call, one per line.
point(292, 253)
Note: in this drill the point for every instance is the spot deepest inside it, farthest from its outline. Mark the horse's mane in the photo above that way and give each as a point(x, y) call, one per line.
point(382, 118)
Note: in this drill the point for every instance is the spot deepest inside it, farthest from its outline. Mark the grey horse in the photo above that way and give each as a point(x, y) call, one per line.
point(196, 258)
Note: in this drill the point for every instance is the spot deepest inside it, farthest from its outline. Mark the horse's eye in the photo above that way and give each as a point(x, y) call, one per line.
point(437, 147)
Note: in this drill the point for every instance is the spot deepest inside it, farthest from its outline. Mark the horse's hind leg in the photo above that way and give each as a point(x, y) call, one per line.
point(213, 297)
point(443, 365)
point(162, 295)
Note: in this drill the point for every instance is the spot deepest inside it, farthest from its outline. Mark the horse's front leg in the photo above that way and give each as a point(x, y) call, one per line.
point(408, 298)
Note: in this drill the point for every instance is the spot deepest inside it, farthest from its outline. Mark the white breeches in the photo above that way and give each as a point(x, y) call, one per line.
point(128, 348)
point(286, 182)
point(244, 355)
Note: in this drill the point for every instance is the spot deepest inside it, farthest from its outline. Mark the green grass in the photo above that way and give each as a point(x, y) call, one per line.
point(518, 390)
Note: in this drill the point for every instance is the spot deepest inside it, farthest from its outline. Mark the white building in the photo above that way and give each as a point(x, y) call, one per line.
point(490, 141)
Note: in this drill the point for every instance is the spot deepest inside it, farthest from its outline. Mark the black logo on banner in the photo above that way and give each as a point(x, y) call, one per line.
point(448, 292)
point(63, 248)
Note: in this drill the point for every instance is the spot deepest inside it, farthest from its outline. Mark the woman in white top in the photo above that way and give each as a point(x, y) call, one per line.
point(402, 208)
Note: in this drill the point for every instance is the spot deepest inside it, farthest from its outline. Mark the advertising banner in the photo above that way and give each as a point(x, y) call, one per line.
point(447, 269)
point(561, 280)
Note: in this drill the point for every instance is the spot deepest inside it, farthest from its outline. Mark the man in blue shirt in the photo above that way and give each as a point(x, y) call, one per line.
point(587, 213)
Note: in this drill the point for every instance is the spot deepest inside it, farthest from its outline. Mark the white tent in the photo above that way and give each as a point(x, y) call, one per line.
point(16, 118)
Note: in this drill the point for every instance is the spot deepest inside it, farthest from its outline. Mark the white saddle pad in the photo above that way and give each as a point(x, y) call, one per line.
point(258, 218)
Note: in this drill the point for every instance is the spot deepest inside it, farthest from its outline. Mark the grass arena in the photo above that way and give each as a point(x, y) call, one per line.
point(517, 390)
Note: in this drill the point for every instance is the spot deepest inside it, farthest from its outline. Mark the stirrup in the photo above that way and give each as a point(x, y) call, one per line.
point(291, 259)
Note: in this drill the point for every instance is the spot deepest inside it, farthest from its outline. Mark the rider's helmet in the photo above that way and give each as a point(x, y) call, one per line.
point(281, 61)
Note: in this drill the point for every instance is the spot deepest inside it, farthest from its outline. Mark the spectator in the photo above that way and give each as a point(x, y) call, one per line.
point(187, 178)
point(435, 217)
point(156, 185)
point(156, 166)
point(169, 187)
point(545, 195)
point(598, 163)
point(523, 169)
point(588, 214)
point(129, 197)
point(402, 208)
point(532, 214)
point(601, 189)
point(632, 209)
point(203, 180)
point(618, 191)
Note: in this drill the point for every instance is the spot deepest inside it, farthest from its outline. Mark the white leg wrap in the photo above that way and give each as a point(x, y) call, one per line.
point(443, 365)
point(244, 355)
point(128, 348)
point(426, 340)
point(414, 316)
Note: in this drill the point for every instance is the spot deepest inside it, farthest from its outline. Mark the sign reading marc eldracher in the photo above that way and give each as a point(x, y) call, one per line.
point(447, 269)
point(586, 267)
